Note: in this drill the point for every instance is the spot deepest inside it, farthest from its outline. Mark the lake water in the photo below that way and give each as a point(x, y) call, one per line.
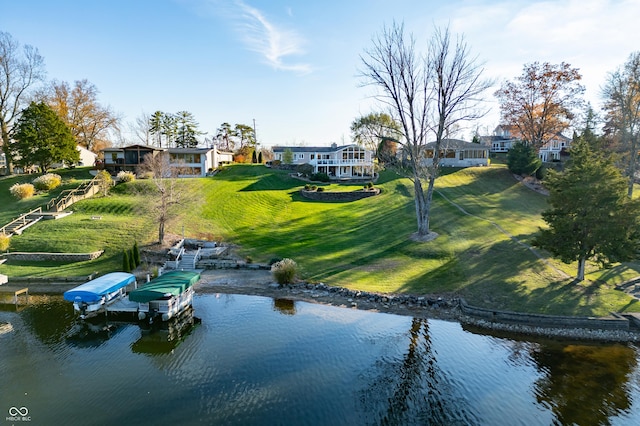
point(255, 360)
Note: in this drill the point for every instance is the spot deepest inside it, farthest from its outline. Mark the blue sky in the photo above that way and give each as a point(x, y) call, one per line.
point(292, 66)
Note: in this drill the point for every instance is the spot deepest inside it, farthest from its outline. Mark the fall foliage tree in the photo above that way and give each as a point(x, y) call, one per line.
point(541, 101)
point(78, 106)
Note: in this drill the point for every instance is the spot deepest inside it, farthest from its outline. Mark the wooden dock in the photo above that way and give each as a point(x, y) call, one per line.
point(15, 293)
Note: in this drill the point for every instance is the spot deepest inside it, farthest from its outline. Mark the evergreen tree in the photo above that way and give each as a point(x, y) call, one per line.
point(126, 266)
point(260, 158)
point(254, 157)
point(42, 138)
point(132, 260)
point(136, 254)
point(591, 216)
point(522, 159)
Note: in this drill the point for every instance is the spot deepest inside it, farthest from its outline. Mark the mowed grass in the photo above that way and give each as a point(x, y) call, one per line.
point(483, 216)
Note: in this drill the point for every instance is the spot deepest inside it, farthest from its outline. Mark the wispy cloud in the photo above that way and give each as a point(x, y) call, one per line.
point(276, 45)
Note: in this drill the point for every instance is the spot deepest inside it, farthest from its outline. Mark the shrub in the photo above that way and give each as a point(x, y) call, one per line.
point(146, 175)
point(284, 271)
point(22, 190)
point(126, 176)
point(321, 177)
point(105, 181)
point(4, 242)
point(370, 185)
point(307, 187)
point(47, 182)
point(320, 189)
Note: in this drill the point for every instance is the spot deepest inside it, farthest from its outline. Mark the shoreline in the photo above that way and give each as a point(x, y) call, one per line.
point(440, 307)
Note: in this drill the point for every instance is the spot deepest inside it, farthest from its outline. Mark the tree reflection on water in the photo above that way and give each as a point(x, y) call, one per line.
point(584, 384)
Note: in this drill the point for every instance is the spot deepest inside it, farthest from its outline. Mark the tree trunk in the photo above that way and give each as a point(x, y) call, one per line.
point(581, 265)
point(422, 207)
point(632, 164)
point(5, 147)
point(161, 232)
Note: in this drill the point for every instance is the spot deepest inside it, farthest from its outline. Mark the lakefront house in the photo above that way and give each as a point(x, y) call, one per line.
point(189, 162)
point(337, 162)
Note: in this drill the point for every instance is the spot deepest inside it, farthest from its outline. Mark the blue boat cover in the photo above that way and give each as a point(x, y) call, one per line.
point(92, 291)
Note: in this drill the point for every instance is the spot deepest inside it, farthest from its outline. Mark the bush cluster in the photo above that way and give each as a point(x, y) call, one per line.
point(22, 190)
point(320, 177)
point(125, 176)
point(47, 182)
point(4, 242)
point(284, 271)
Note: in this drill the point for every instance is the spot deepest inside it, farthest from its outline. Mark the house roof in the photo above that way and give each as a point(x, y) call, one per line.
point(457, 144)
point(312, 148)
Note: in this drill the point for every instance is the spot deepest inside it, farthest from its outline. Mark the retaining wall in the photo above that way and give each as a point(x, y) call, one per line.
point(540, 320)
point(56, 257)
point(339, 196)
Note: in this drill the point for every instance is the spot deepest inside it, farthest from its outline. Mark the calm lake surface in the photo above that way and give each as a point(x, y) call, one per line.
point(255, 360)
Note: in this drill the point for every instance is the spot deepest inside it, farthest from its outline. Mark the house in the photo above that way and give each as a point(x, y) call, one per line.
point(189, 162)
point(504, 136)
point(197, 162)
point(338, 162)
point(458, 153)
point(553, 149)
point(87, 158)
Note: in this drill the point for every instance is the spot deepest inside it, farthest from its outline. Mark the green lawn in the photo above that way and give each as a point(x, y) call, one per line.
point(481, 251)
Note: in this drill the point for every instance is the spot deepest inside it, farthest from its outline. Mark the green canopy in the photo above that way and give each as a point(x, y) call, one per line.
point(169, 284)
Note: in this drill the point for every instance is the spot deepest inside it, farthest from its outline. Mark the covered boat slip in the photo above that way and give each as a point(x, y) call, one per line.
point(93, 291)
point(165, 296)
point(170, 284)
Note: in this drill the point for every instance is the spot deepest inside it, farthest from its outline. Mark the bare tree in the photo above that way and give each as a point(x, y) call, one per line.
point(541, 103)
point(429, 95)
point(20, 71)
point(141, 129)
point(167, 196)
point(622, 103)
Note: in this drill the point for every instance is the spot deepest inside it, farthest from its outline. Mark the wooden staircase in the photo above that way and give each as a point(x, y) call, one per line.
point(54, 208)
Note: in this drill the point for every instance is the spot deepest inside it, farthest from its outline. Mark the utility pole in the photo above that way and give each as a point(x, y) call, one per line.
point(255, 136)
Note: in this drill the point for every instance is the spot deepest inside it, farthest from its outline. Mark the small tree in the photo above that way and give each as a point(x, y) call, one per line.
point(591, 216)
point(126, 264)
point(523, 160)
point(132, 260)
point(136, 254)
point(254, 157)
point(260, 158)
point(105, 181)
point(287, 156)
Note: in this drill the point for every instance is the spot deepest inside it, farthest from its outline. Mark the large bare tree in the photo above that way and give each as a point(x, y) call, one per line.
point(429, 95)
point(622, 103)
point(20, 71)
point(541, 102)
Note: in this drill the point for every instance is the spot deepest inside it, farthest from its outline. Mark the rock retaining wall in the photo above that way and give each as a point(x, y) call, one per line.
point(56, 257)
point(339, 196)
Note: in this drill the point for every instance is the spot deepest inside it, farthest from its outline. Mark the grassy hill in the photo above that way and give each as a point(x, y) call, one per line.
point(483, 216)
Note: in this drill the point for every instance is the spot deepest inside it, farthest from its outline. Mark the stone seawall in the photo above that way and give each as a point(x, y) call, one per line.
point(541, 320)
point(55, 257)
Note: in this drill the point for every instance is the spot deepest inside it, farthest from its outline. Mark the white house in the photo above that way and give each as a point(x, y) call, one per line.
point(87, 158)
point(189, 162)
point(504, 136)
point(338, 162)
point(197, 162)
point(458, 153)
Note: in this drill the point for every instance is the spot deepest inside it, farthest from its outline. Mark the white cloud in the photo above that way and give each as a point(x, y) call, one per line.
point(275, 44)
